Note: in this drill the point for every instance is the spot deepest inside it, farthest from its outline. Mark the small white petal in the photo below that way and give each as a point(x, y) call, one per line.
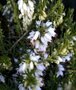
point(59, 73)
point(38, 23)
point(68, 57)
point(51, 31)
point(61, 68)
point(37, 43)
point(30, 3)
point(31, 65)
point(42, 48)
point(25, 7)
point(48, 23)
point(34, 57)
point(48, 36)
point(22, 67)
point(40, 67)
point(20, 3)
point(31, 34)
point(2, 79)
point(45, 56)
point(44, 40)
point(37, 33)
point(38, 73)
point(21, 87)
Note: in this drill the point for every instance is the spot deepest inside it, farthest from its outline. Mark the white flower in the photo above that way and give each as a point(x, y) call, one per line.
point(38, 23)
point(51, 31)
point(59, 73)
point(67, 57)
point(2, 79)
point(42, 48)
point(22, 67)
point(45, 56)
point(60, 70)
point(48, 36)
point(48, 23)
point(37, 34)
point(34, 57)
point(44, 40)
point(31, 34)
point(38, 73)
point(40, 67)
point(20, 3)
point(21, 87)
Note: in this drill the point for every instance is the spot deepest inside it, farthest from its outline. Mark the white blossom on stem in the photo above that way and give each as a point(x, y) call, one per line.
point(60, 70)
point(2, 78)
point(34, 57)
point(22, 67)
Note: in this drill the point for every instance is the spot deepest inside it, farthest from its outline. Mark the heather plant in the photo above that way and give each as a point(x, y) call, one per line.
point(37, 45)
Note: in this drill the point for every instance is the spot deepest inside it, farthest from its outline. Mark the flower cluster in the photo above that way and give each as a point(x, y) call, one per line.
point(39, 41)
point(26, 12)
point(39, 44)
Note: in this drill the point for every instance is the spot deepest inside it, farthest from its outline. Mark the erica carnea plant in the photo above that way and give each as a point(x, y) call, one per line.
point(37, 45)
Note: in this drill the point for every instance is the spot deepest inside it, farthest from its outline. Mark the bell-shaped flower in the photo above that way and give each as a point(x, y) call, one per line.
point(42, 48)
point(48, 37)
point(31, 34)
point(2, 78)
point(51, 31)
point(38, 23)
point(22, 67)
point(34, 57)
point(60, 70)
point(40, 67)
